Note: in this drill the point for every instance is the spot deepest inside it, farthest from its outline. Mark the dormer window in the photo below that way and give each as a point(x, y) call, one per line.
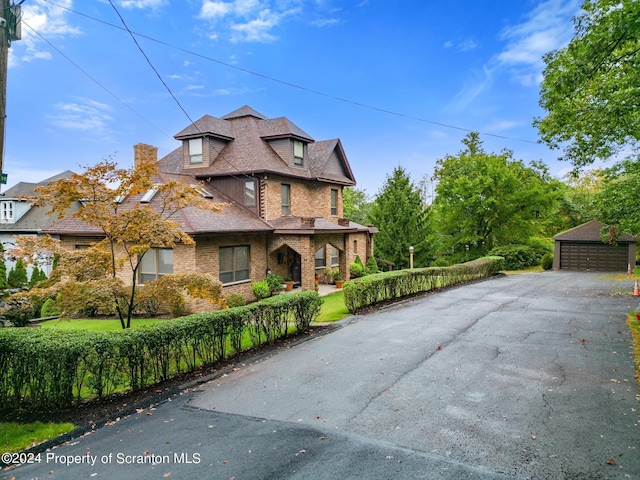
point(298, 153)
point(7, 210)
point(250, 193)
point(195, 151)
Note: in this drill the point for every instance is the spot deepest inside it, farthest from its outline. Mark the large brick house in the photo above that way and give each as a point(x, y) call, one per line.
point(282, 204)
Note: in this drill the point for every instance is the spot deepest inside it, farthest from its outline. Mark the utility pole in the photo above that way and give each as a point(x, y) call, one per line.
point(10, 30)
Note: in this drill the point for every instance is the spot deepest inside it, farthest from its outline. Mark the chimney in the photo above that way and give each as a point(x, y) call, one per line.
point(144, 153)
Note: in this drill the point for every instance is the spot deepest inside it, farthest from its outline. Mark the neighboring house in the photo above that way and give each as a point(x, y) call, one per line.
point(18, 217)
point(282, 196)
point(582, 248)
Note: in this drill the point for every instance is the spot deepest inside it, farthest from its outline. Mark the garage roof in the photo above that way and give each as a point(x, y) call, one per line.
point(590, 232)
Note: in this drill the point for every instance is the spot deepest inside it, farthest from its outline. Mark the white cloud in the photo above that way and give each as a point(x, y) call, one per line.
point(213, 10)
point(256, 30)
point(46, 19)
point(84, 116)
point(547, 27)
point(482, 81)
point(141, 4)
point(246, 20)
point(500, 126)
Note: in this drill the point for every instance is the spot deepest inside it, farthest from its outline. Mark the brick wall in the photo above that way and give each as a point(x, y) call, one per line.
point(308, 199)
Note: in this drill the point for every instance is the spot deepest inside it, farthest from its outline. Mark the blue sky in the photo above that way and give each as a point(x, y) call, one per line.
point(400, 82)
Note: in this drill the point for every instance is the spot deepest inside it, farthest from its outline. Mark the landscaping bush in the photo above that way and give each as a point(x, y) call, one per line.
point(356, 270)
point(547, 261)
point(261, 289)
point(372, 266)
point(275, 283)
point(380, 287)
point(18, 310)
point(517, 257)
point(49, 308)
point(235, 300)
point(44, 369)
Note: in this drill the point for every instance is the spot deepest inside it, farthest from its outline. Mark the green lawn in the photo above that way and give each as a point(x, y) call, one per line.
point(20, 436)
point(96, 325)
point(333, 308)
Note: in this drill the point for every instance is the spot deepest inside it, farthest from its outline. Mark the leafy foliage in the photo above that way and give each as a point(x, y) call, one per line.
point(547, 261)
point(516, 257)
point(356, 205)
point(261, 289)
point(619, 196)
point(372, 266)
point(591, 87)
point(486, 199)
point(356, 270)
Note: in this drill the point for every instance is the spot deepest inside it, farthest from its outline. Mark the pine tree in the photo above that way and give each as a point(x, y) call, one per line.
point(402, 218)
point(18, 275)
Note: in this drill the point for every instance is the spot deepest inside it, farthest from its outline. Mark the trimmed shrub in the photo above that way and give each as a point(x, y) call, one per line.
point(275, 283)
point(18, 310)
point(517, 257)
point(380, 287)
point(261, 289)
point(372, 266)
point(45, 368)
point(547, 261)
point(49, 308)
point(356, 270)
point(235, 300)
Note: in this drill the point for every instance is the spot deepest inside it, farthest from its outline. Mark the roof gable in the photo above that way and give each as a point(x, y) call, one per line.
point(590, 232)
point(253, 145)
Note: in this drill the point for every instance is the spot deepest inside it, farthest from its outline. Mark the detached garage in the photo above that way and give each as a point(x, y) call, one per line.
point(581, 248)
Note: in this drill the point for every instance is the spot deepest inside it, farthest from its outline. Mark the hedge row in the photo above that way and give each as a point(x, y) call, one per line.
point(365, 291)
point(46, 368)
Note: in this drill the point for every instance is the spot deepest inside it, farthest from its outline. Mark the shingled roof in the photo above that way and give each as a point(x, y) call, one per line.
point(590, 232)
point(247, 150)
point(232, 218)
point(37, 218)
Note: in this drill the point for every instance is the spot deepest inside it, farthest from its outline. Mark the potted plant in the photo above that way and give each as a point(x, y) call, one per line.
point(288, 284)
point(316, 281)
point(337, 278)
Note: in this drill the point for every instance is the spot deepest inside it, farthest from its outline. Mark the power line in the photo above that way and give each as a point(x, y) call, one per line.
point(171, 92)
point(92, 78)
point(290, 84)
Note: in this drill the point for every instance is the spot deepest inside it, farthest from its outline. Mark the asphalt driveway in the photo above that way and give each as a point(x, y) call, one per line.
point(525, 376)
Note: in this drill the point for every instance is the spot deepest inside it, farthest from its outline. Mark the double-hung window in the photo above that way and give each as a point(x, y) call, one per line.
point(234, 264)
point(155, 263)
point(285, 194)
point(250, 193)
point(334, 202)
point(320, 258)
point(195, 151)
point(298, 153)
point(7, 210)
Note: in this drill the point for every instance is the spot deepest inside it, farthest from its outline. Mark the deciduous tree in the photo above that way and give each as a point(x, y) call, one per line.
point(128, 228)
point(591, 88)
point(486, 199)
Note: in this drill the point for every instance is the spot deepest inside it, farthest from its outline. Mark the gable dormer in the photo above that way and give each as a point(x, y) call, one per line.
point(203, 140)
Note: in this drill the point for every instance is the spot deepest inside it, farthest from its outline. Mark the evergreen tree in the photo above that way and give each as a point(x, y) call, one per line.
point(3, 270)
point(18, 275)
point(402, 219)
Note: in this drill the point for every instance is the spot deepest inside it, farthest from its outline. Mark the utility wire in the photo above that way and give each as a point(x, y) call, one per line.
point(93, 79)
point(290, 84)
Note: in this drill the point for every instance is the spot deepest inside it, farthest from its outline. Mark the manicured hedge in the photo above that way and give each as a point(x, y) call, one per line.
point(365, 291)
point(45, 368)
